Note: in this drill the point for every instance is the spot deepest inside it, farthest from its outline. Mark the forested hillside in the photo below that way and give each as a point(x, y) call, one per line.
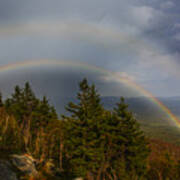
point(153, 120)
point(90, 141)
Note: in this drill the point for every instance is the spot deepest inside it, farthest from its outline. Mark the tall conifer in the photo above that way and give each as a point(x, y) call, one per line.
point(83, 131)
point(134, 150)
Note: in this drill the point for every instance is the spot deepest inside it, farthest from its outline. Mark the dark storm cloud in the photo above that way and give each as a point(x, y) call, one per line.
point(8, 11)
point(98, 11)
point(138, 37)
point(20, 9)
point(61, 81)
point(165, 28)
point(60, 84)
point(165, 31)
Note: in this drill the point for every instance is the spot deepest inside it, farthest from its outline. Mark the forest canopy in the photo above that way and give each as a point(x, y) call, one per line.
point(90, 142)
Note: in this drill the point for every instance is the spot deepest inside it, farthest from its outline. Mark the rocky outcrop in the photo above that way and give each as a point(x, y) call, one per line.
point(25, 167)
point(17, 166)
point(25, 164)
point(6, 172)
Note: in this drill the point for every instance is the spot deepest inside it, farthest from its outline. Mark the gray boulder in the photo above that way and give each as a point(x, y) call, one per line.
point(25, 164)
point(6, 172)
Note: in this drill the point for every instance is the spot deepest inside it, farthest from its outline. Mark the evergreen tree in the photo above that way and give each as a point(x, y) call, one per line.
point(134, 147)
point(104, 144)
point(43, 114)
point(42, 117)
point(82, 138)
point(32, 114)
point(10, 137)
point(22, 103)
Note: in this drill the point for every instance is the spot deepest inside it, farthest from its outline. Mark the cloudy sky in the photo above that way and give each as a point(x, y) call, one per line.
point(136, 38)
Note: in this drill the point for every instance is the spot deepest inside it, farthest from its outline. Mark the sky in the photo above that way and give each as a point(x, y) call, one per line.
point(138, 39)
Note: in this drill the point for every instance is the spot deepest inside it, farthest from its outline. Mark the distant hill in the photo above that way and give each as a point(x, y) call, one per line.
point(173, 103)
point(138, 103)
point(140, 106)
point(153, 120)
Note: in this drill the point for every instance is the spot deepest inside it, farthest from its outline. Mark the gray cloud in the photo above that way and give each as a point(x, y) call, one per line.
point(62, 81)
point(165, 28)
point(138, 37)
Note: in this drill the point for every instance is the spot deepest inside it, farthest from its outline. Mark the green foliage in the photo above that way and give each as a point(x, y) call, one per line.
point(132, 140)
point(103, 143)
point(92, 142)
point(32, 115)
point(10, 137)
point(23, 104)
point(83, 128)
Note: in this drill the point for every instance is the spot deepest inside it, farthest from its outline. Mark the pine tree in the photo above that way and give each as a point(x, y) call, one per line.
point(42, 117)
point(22, 103)
point(43, 113)
point(10, 137)
point(31, 113)
point(82, 138)
point(134, 147)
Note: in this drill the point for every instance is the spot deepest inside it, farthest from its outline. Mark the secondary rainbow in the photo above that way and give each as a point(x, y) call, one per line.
point(114, 76)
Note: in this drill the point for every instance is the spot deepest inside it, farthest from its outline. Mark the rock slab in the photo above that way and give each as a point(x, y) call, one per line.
point(6, 172)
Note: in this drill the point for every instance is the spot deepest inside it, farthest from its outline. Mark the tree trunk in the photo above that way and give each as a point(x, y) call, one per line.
point(61, 155)
point(89, 176)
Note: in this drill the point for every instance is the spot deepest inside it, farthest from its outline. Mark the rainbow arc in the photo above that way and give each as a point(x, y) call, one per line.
point(129, 83)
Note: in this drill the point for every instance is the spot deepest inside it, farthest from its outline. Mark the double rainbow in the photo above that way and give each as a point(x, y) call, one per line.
point(24, 64)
